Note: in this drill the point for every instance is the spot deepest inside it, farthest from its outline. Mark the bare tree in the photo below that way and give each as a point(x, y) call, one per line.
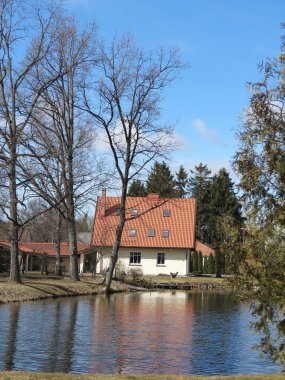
point(29, 27)
point(127, 97)
point(61, 167)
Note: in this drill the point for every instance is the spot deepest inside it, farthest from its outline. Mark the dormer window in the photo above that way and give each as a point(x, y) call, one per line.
point(166, 212)
point(134, 212)
point(133, 232)
point(165, 233)
point(151, 232)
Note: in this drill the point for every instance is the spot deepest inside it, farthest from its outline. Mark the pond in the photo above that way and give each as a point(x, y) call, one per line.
point(199, 333)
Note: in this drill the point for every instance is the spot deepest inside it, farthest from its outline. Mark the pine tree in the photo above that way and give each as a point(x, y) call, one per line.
point(137, 189)
point(211, 264)
point(195, 262)
point(223, 208)
point(200, 262)
point(160, 180)
point(205, 269)
point(197, 187)
point(181, 182)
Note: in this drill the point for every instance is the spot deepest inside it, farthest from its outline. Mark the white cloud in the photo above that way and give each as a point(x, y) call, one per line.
point(207, 133)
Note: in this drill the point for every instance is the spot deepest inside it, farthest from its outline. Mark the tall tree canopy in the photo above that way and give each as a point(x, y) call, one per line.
point(181, 182)
point(260, 163)
point(223, 210)
point(22, 83)
point(198, 187)
point(160, 180)
point(126, 91)
point(137, 189)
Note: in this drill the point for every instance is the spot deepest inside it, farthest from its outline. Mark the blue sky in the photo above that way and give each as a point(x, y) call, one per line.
point(222, 40)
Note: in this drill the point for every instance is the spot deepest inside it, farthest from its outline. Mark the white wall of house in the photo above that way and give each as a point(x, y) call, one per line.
point(176, 260)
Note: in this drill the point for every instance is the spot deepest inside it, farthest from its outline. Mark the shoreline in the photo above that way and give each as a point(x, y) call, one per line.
point(36, 287)
point(23, 375)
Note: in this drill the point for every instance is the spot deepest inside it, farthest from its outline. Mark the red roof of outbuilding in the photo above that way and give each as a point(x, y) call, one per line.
point(180, 223)
point(48, 248)
point(204, 248)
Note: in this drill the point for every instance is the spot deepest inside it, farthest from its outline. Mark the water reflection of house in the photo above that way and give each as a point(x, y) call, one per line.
point(140, 327)
point(158, 237)
point(33, 254)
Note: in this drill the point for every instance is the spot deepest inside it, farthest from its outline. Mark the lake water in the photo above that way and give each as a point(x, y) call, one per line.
point(199, 333)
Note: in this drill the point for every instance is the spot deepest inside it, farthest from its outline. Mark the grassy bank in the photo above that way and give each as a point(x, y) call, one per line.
point(35, 286)
point(60, 376)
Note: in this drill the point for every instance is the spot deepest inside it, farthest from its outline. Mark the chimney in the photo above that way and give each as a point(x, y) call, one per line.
point(153, 197)
point(103, 202)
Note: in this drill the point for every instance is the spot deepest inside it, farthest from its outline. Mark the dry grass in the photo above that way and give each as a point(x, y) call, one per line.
point(35, 287)
point(61, 376)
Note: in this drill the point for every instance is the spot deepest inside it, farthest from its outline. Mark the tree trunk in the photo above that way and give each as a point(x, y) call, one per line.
point(116, 246)
point(74, 275)
point(14, 228)
point(58, 269)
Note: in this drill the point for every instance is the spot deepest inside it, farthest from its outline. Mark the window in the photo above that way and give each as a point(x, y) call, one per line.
point(166, 212)
point(118, 212)
point(165, 233)
point(135, 258)
point(161, 258)
point(150, 233)
point(132, 232)
point(134, 212)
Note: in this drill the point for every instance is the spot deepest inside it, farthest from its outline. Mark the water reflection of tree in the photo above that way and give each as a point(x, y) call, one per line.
point(55, 348)
point(68, 347)
point(12, 337)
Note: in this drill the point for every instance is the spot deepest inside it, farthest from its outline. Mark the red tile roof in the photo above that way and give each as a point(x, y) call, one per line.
point(48, 248)
point(204, 248)
point(180, 223)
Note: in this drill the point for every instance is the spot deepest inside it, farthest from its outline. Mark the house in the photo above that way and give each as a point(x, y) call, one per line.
point(158, 237)
point(33, 254)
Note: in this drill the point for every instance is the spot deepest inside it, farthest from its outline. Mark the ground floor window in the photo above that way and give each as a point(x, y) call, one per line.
point(161, 258)
point(135, 258)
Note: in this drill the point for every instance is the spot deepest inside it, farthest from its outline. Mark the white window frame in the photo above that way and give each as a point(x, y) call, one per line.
point(160, 257)
point(135, 258)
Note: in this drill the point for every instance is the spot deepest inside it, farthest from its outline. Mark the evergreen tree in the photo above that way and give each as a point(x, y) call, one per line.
point(205, 269)
point(211, 264)
point(223, 208)
point(260, 163)
point(181, 182)
point(160, 180)
point(195, 262)
point(197, 187)
point(137, 189)
point(200, 262)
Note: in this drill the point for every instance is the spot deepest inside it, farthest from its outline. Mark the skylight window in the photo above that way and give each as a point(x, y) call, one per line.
point(134, 212)
point(132, 232)
point(151, 232)
point(166, 212)
point(165, 233)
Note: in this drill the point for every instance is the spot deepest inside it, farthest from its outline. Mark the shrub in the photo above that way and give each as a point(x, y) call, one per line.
point(135, 273)
point(120, 270)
